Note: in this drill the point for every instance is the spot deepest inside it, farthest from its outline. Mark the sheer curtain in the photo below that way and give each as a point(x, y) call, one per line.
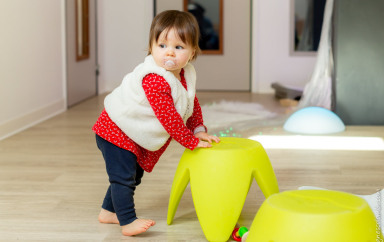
point(318, 91)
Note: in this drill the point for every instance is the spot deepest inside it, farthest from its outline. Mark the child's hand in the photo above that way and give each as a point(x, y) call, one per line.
point(206, 139)
point(203, 144)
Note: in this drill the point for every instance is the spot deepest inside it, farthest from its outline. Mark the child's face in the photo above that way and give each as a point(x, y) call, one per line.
point(171, 53)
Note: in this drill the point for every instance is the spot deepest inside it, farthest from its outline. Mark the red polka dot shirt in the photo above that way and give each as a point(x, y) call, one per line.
point(158, 93)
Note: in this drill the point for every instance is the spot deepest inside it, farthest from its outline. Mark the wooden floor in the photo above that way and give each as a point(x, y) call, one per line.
point(53, 179)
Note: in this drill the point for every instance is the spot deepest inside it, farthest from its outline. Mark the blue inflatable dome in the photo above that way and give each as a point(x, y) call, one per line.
point(314, 120)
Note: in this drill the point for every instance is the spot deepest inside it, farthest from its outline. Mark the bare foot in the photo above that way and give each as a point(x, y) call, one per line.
point(107, 217)
point(137, 227)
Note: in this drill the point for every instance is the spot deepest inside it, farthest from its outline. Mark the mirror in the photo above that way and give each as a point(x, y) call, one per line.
point(306, 23)
point(209, 15)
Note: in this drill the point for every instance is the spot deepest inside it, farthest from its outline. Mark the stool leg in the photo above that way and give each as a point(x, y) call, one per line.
point(180, 182)
point(265, 176)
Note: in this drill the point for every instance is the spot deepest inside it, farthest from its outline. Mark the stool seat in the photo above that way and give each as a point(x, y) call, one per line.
point(316, 216)
point(220, 179)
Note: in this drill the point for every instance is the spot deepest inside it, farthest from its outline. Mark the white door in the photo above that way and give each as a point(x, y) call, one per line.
point(81, 62)
point(231, 70)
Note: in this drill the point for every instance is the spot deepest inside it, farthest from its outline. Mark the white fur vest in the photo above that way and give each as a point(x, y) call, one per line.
point(129, 108)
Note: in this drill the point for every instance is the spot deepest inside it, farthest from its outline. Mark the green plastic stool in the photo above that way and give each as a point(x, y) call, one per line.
point(220, 180)
point(316, 216)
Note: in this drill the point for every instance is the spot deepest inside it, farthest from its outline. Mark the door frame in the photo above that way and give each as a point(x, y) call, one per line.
point(70, 59)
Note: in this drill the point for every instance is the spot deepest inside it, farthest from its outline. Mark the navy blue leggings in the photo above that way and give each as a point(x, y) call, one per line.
point(124, 175)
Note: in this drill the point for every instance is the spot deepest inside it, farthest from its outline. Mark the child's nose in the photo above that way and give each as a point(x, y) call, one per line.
point(170, 52)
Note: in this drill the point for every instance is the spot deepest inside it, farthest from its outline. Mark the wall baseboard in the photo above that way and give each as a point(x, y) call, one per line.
point(26, 121)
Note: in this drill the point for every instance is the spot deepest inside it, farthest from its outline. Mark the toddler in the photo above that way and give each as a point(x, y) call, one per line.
point(154, 103)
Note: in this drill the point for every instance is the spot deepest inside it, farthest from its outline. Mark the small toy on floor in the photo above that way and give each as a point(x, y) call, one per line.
point(240, 234)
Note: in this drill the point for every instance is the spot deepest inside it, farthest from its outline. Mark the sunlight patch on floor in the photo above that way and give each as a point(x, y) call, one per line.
point(319, 142)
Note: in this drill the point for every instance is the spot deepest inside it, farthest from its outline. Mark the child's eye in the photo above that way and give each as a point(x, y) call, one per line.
point(162, 46)
point(179, 47)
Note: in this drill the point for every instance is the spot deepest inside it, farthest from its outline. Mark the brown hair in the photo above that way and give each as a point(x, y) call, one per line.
point(183, 23)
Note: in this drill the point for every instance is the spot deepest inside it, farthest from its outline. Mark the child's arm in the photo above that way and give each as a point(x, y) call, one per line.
point(196, 124)
point(159, 96)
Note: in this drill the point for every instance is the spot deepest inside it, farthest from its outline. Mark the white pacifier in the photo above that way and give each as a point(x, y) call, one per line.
point(169, 63)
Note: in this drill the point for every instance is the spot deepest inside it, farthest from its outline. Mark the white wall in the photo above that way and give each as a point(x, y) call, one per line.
point(31, 62)
point(271, 60)
point(123, 30)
